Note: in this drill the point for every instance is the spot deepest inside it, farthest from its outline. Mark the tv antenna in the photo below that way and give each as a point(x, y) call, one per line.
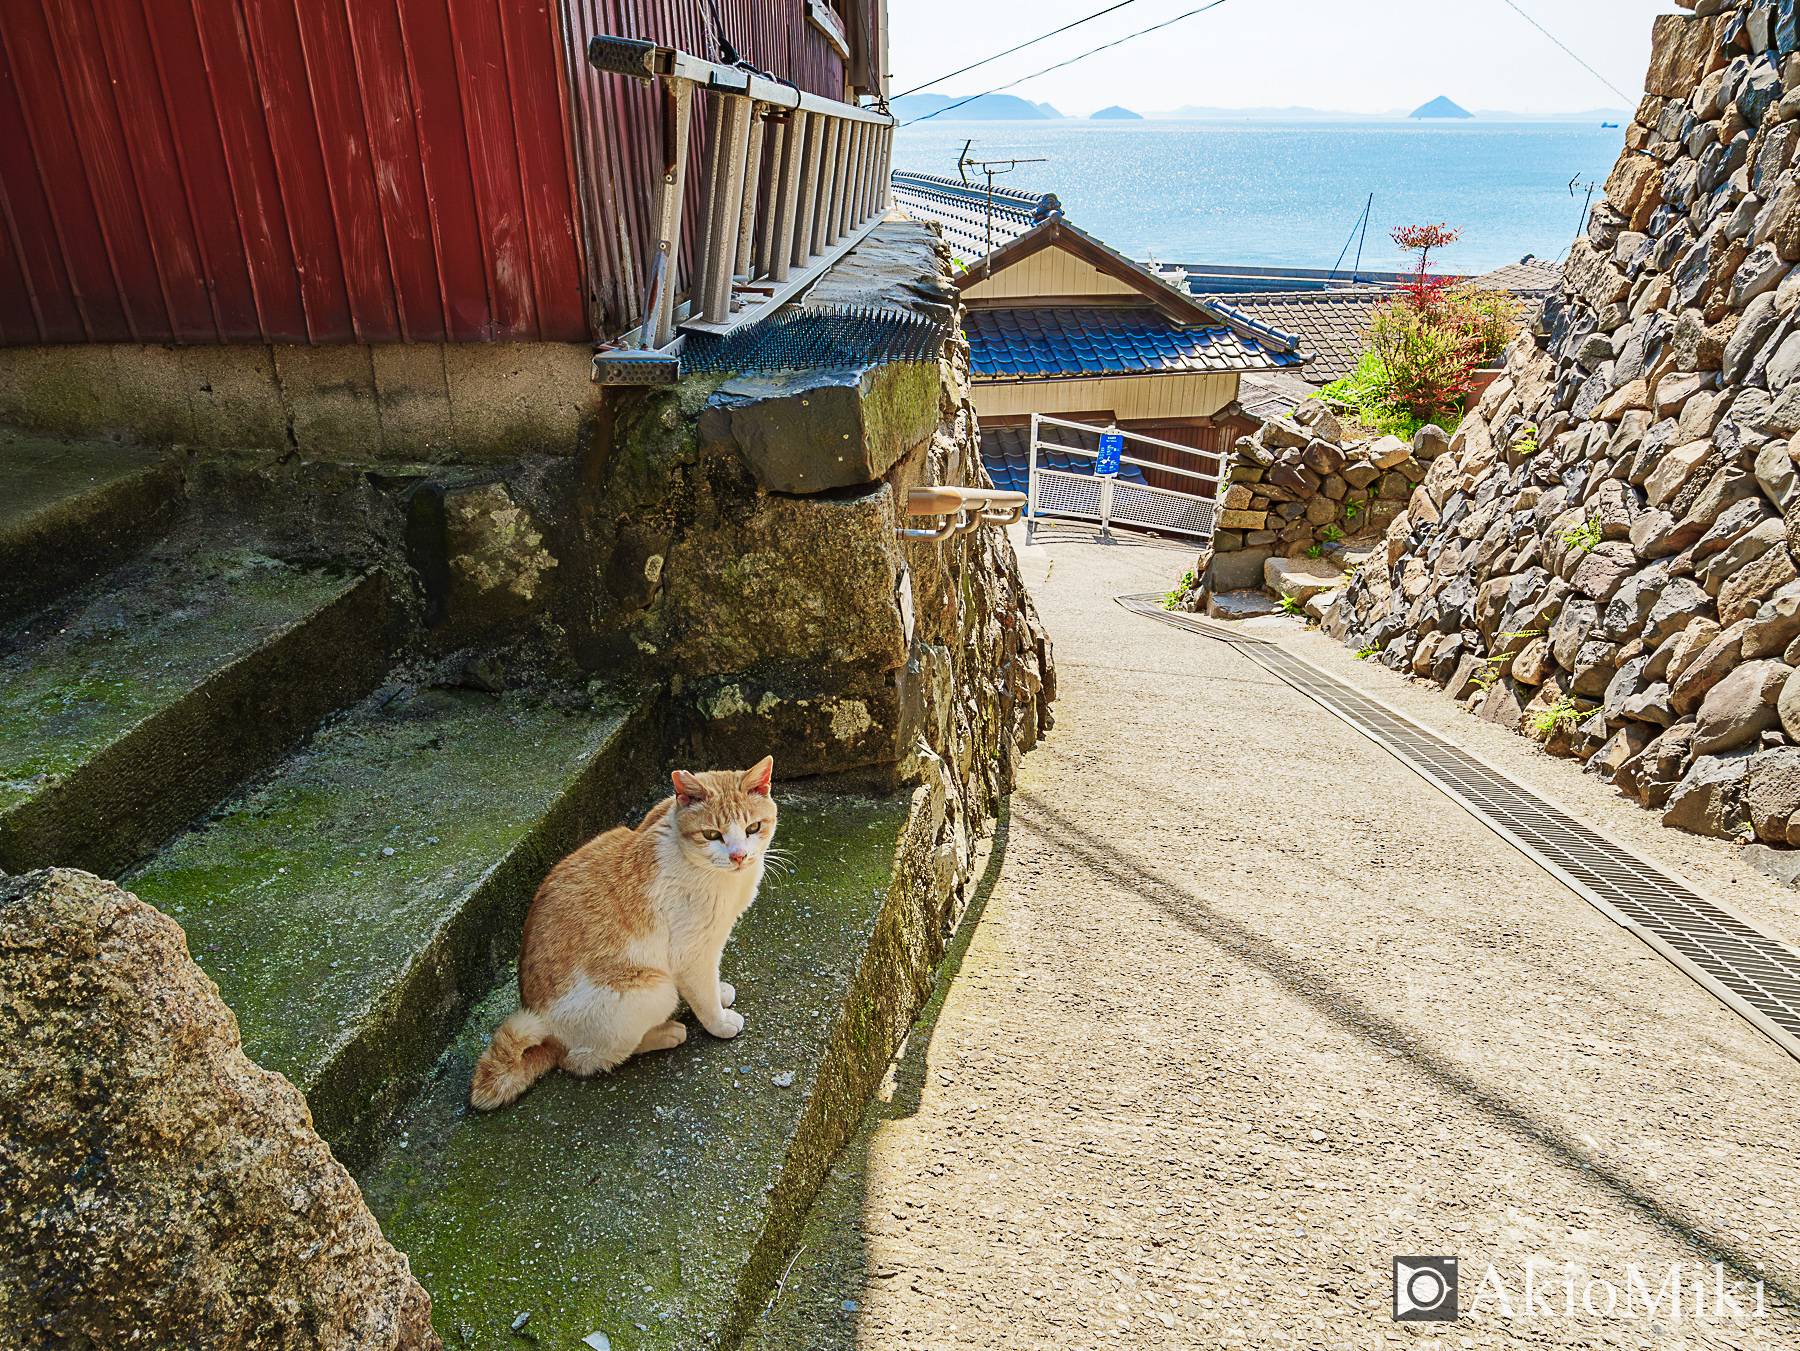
point(1581, 224)
point(992, 168)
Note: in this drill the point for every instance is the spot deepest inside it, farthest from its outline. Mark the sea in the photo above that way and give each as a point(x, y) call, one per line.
point(1291, 194)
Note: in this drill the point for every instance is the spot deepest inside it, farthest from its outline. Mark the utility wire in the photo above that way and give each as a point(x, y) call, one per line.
point(1578, 61)
point(1071, 61)
point(1021, 47)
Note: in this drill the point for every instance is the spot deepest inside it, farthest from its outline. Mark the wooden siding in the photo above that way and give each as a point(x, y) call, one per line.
point(1133, 398)
point(1048, 272)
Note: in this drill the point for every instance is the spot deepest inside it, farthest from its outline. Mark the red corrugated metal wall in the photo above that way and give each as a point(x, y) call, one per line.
point(204, 171)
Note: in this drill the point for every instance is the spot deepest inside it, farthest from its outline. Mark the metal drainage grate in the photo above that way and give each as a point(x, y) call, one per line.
point(1752, 972)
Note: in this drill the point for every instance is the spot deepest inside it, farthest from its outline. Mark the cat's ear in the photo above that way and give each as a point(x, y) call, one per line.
point(688, 789)
point(756, 778)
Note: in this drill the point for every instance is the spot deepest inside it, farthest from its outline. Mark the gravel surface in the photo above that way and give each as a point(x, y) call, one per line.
point(1250, 1009)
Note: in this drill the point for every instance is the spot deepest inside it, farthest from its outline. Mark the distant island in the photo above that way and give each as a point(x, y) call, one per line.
point(1440, 107)
point(1194, 113)
point(986, 108)
point(1011, 108)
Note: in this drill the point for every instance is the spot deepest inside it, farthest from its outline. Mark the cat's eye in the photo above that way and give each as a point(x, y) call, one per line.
point(754, 828)
point(712, 835)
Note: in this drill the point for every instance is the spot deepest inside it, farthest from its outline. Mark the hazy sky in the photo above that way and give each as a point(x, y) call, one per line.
point(1372, 56)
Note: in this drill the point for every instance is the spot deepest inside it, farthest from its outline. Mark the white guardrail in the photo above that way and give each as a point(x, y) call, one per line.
point(1110, 501)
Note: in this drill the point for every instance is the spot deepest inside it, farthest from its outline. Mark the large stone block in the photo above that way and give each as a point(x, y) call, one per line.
point(812, 431)
point(157, 1187)
point(1709, 799)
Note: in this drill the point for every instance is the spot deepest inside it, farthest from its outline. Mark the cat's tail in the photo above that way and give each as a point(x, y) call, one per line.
point(521, 1052)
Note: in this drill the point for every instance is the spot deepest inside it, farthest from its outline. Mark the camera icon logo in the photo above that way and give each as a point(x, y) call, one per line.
point(1424, 1289)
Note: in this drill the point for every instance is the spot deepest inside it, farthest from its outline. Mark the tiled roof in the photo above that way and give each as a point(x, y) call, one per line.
point(1006, 451)
point(1274, 394)
point(962, 210)
point(1057, 342)
point(1330, 324)
point(1528, 277)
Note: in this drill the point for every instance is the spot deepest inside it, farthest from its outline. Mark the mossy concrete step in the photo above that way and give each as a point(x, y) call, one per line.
point(124, 714)
point(657, 1204)
point(73, 509)
point(356, 903)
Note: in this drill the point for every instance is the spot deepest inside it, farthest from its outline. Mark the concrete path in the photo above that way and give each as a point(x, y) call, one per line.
point(1249, 1009)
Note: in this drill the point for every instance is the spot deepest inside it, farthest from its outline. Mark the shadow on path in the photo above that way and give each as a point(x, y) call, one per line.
point(1320, 989)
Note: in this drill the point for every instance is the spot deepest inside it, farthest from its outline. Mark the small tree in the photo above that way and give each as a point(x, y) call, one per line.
point(1423, 292)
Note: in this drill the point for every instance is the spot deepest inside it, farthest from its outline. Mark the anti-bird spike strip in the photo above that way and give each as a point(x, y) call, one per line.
point(828, 337)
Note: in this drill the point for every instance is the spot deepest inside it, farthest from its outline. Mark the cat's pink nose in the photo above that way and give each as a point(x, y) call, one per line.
point(738, 856)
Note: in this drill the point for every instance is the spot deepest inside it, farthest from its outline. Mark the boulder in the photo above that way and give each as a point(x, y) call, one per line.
point(1741, 707)
point(1679, 603)
point(1322, 457)
point(1780, 865)
point(1301, 578)
point(1577, 618)
point(1690, 643)
point(1388, 452)
point(1594, 665)
point(1603, 570)
point(1743, 592)
point(1430, 441)
point(1278, 433)
point(1651, 774)
point(1239, 604)
point(1240, 570)
point(157, 1187)
point(1787, 705)
point(1616, 751)
point(1671, 475)
point(1297, 479)
point(1775, 624)
point(1775, 469)
point(1772, 795)
point(1709, 800)
point(1709, 667)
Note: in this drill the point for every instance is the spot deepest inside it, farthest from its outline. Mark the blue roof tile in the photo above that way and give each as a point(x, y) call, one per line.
point(1053, 342)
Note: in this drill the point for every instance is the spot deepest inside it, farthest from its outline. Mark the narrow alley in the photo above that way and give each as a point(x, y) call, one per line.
point(1248, 1009)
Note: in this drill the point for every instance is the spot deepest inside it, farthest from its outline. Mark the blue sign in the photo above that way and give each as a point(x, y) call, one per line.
point(1112, 446)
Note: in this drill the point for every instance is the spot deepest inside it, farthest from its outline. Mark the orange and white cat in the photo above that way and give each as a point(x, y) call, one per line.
point(628, 923)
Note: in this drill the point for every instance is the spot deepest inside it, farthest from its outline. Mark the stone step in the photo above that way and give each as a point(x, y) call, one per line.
point(656, 1204)
point(126, 711)
point(349, 967)
point(74, 509)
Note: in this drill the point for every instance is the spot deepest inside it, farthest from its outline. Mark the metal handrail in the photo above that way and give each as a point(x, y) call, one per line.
point(1108, 484)
point(947, 500)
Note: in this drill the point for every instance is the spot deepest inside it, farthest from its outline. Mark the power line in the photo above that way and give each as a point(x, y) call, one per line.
point(1010, 50)
point(1071, 61)
point(1578, 61)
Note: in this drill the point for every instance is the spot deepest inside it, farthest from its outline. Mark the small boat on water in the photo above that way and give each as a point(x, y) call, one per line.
point(1609, 124)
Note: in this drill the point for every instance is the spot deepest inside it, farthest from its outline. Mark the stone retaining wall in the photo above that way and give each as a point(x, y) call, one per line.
point(1604, 557)
point(1305, 501)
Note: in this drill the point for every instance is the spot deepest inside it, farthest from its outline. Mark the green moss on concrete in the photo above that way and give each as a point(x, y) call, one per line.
point(644, 1197)
point(349, 966)
point(66, 693)
point(123, 717)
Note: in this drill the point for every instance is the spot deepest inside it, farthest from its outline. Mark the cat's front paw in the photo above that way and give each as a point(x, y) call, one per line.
point(727, 994)
point(728, 1026)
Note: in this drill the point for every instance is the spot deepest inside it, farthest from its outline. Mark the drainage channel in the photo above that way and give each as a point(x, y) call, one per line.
point(1753, 973)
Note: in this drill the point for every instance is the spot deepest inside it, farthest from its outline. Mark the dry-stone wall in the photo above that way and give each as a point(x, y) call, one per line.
point(1303, 496)
point(1604, 557)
